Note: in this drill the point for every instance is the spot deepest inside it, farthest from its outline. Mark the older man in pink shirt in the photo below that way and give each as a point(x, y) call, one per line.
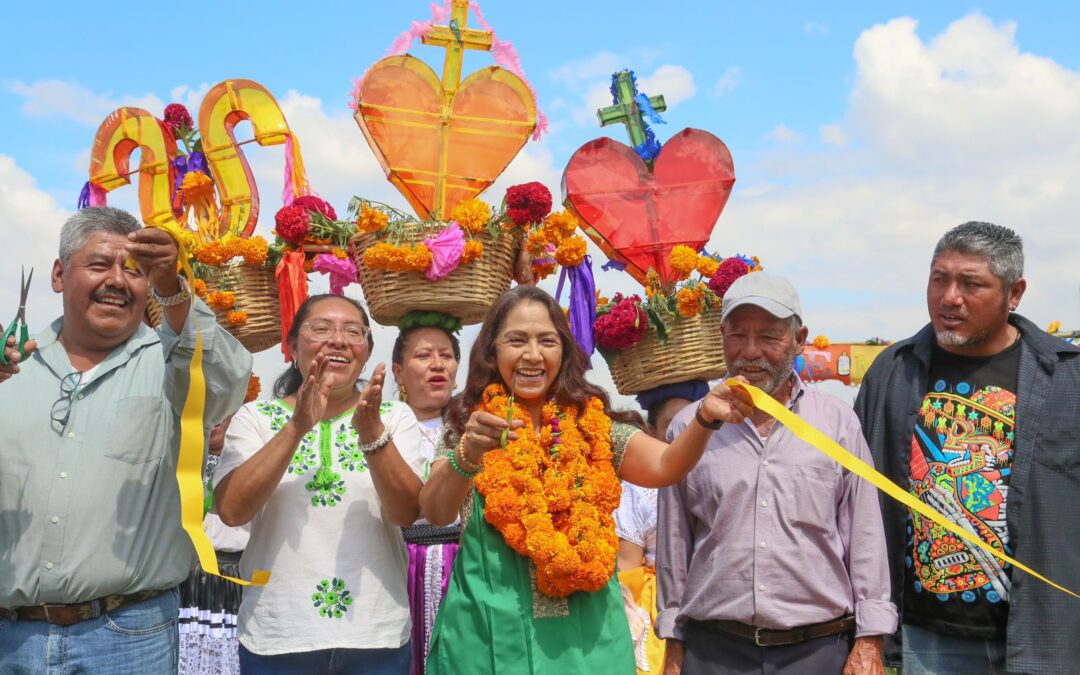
point(771, 557)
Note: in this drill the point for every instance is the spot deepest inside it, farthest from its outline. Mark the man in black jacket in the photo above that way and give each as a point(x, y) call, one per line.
point(978, 414)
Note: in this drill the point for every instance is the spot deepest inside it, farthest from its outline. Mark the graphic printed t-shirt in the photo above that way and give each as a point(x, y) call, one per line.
point(961, 462)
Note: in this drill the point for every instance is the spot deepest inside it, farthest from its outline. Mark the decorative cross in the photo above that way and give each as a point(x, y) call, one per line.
point(456, 38)
point(626, 111)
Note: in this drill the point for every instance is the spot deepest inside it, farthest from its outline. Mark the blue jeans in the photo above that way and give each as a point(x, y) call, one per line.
point(329, 661)
point(139, 638)
point(928, 652)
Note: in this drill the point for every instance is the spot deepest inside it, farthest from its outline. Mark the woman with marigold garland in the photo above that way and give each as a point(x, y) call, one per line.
point(531, 458)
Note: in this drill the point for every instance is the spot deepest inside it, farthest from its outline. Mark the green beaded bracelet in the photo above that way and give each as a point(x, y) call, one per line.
point(457, 467)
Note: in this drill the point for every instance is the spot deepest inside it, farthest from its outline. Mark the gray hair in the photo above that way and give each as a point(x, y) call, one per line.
point(1002, 248)
point(87, 222)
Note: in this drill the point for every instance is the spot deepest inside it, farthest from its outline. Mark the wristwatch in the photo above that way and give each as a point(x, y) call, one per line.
point(713, 426)
point(376, 445)
point(183, 295)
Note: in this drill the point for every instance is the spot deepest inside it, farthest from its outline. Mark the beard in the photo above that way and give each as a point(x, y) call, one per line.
point(775, 375)
point(951, 338)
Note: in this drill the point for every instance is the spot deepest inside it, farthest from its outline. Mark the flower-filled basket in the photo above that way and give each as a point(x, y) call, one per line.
point(458, 266)
point(673, 335)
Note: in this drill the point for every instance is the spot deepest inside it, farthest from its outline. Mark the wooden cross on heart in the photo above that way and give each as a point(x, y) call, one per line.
point(637, 215)
point(443, 142)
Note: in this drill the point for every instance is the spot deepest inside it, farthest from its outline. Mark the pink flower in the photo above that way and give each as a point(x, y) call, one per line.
point(317, 204)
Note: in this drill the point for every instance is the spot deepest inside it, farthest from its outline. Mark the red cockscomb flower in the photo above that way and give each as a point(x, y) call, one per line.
point(292, 222)
point(317, 204)
point(623, 327)
point(528, 204)
point(177, 117)
point(730, 269)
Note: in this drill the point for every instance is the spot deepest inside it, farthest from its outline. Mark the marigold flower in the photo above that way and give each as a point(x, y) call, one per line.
point(1054, 327)
point(559, 225)
point(200, 288)
point(254, 388)
point(473, 250)
point(570, 252)
point(821, 342)
point(371, 219)
point(221, 299)
point(237, 317)
point(683, 260)
point(690, 300)
point(472, 215)
point(254, 250)
point(707, 266)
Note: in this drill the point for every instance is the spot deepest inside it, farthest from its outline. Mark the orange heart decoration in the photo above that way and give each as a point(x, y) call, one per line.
point(440, 149)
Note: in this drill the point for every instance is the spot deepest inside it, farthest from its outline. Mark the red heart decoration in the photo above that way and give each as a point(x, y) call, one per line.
point(636, 216)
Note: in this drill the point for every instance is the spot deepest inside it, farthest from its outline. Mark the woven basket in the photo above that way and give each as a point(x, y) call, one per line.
point(694, 351)
point(467, 293)
point(256, 293)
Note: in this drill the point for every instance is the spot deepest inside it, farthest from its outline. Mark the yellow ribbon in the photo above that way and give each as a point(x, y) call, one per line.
point(832, 449)
point(189, 465)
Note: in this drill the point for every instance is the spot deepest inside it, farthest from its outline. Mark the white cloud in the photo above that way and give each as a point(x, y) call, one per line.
point(31, 223)
point(601, 64)
point(68, 100)
point(728, 81)
point(963, 126)
point(815, 28)
point(833, 134)
point(784, 134)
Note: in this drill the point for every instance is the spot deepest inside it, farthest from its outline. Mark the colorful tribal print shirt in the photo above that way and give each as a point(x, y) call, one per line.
point(961, 461)
point(337, 565)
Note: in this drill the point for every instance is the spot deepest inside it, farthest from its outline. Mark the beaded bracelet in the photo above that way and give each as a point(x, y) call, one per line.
point(457, 467)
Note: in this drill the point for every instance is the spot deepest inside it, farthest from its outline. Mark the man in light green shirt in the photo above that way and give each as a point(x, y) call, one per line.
point(91, 544)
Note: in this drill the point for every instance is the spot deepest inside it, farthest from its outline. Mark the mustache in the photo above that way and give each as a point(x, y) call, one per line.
point(760, 364)
point(127, 297)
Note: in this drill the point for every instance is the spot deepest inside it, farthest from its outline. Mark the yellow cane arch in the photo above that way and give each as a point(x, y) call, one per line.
point(227, 104)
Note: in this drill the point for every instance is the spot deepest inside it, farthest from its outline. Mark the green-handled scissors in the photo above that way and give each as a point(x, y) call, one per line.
point(18, 323)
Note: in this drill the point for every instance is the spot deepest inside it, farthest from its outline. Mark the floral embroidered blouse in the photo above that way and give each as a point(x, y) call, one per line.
point(338, 566)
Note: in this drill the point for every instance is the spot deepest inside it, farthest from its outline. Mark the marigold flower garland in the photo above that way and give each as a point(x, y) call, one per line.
point(551, 493)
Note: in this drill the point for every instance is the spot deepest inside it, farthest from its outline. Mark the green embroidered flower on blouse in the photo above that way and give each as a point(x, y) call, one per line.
point(305, 457)
point(348, 446)
point(385, 407)
point(331, 598)
point(327, 486)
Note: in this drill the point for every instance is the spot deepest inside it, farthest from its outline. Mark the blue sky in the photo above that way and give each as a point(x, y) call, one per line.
point(860, 131)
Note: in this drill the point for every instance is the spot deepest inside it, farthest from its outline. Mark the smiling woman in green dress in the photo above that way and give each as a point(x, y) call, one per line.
point(533, 587)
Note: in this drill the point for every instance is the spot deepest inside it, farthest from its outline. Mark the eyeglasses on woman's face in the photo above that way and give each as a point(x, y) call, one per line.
point(321, 331)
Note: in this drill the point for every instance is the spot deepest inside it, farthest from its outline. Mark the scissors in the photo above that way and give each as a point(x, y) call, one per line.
point(19, 322)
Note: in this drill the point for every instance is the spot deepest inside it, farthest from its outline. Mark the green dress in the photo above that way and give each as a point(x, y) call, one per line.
point(493, 620)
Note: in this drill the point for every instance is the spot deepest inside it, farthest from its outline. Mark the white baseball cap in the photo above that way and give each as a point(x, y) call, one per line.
point(773, 294)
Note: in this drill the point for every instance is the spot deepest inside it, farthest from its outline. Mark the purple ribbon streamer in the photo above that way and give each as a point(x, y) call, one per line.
point(582, 304)
point(91, 195)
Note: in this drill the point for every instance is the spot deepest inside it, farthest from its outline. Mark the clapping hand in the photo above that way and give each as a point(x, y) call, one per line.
point(730, 405)
point(313, 395)
point(366, 419)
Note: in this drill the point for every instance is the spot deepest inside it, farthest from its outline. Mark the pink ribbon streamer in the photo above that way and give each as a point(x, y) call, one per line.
point(446, 250)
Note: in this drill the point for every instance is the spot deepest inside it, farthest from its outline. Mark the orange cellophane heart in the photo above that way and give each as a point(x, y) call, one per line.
point(636, 216)
point(438, 153)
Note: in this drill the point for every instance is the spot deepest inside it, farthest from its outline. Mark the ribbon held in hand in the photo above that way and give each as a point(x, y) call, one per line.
point(832, 449)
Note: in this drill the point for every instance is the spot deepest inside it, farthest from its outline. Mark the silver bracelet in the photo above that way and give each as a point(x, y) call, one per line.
point(376, 445)
point(183, 295)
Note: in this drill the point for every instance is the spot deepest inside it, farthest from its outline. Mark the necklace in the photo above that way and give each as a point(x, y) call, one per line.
point(551, 492)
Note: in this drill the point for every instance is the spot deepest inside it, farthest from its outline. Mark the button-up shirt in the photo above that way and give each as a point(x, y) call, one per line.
point(772, 533)
point(92, 508)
